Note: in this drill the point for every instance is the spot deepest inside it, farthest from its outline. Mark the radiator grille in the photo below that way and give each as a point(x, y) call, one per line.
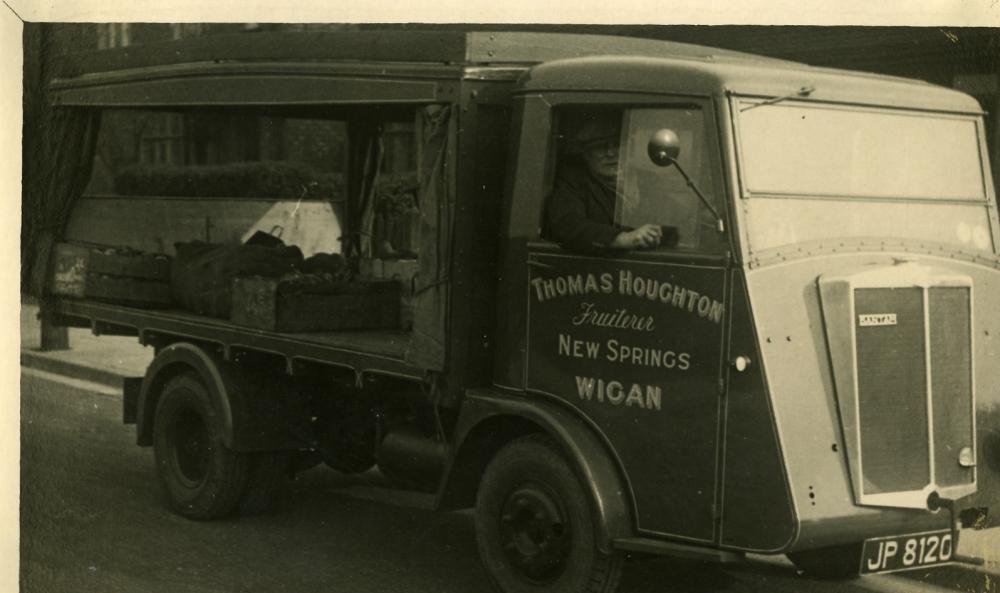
point(901, 451)
point(951, 382)
point(892, 391)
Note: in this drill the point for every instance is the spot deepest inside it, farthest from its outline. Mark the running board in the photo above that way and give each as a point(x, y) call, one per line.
point(664, 548)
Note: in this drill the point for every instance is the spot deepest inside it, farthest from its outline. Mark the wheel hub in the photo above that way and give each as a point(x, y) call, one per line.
point(534, 533)
point(192, 449)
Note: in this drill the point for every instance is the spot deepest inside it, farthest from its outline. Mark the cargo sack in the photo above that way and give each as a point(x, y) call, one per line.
point(272, 239)
point(201, 274)
point(327, 263)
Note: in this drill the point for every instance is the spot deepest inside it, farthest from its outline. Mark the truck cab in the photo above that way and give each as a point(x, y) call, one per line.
point(805, 364)
point(765, 357)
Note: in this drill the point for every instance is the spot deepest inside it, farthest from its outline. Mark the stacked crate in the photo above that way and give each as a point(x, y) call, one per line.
point(404, 272)
point(117, 275)
point(314, 303)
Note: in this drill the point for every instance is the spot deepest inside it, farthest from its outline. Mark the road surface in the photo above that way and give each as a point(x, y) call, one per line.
point(93, 521)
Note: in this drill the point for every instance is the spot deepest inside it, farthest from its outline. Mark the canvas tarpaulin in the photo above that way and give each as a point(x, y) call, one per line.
point(367, 152)
point(58, 166)
point(428, 344)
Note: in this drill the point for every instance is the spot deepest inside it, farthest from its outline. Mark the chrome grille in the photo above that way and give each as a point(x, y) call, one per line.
point(951, 382)
point(901, 339)
point(892, 391)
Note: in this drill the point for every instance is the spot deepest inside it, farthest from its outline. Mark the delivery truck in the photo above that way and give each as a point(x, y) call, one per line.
point(807, 362)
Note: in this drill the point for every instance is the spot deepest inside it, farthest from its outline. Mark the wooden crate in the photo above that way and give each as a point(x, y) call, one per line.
point(82, 271)
point(69, 270)
point(128, 291)
point(405, 272)
point(268, 303)
point(130, 265)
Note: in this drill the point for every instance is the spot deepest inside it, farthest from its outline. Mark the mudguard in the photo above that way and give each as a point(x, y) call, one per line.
point(502, 417)
point(258, 413)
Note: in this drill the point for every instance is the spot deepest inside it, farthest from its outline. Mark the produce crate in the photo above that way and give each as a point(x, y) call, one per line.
point(405, 272)
point(108, 274)
point(69, 270)
point(141, 266)
point(310, 306)
point(128, 291)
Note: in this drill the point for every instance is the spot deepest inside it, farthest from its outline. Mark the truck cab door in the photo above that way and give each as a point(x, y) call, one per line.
point(632, 340)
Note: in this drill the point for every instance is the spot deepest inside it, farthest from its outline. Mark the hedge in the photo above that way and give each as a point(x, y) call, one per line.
point(396, 193)
point(262, 179)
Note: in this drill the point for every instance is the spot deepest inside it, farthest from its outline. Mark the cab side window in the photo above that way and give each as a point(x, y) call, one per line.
point(608, 194)
point(580, 209)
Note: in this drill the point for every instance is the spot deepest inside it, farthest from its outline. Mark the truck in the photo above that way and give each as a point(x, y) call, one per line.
point(809, 368)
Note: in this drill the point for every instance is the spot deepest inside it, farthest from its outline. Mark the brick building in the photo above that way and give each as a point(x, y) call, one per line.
point(964, 58)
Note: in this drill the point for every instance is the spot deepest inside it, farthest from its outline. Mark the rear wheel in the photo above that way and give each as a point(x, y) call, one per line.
point(834, 562)
point(535, 526)
point(265, 481)
point(200, 476)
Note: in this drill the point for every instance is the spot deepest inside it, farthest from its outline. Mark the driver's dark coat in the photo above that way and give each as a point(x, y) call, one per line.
point(580, 212)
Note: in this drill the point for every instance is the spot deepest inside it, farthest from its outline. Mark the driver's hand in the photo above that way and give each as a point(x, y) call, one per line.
point(648, 235)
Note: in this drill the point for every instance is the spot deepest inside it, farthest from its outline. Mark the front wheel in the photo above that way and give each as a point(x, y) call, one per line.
point(535, 525)
point(201, 477)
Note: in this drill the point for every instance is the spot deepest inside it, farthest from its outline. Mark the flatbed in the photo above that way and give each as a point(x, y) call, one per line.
point(362, 351)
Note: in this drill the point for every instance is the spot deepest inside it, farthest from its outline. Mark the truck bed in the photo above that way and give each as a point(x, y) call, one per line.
point(363, 351)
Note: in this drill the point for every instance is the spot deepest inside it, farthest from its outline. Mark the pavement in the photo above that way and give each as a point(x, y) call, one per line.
point(98, 359)
point(106, 360)
point(985, 544)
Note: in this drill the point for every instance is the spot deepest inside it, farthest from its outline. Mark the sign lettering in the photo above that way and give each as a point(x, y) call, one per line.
point(648, 397)
point(875, 319)
point(621, 337)
point(614, 351)
point(630, 285)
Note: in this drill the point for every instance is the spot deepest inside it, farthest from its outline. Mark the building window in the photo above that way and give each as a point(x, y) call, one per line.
point(399, 141)
point(163, 142)
point(113, 35)
point(183, 30)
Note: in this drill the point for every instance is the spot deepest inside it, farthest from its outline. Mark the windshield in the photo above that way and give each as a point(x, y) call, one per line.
point(860, 173)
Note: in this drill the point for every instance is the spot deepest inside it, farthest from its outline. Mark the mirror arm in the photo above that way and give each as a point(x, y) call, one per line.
point(720, 224)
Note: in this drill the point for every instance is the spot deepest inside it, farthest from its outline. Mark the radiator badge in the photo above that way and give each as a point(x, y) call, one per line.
point(871, 319)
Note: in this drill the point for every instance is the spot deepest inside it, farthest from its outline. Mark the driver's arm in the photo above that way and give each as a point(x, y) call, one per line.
point(568, 223)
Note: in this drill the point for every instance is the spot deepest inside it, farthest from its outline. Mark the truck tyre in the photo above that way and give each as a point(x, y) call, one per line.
point(201, 477)
point(834, 562)
point(265, 482)
point(535, 525)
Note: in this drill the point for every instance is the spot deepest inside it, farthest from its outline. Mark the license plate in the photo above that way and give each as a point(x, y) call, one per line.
point(905, 552)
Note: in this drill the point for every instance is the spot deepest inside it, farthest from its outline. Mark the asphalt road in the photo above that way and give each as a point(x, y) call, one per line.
point(93, 520)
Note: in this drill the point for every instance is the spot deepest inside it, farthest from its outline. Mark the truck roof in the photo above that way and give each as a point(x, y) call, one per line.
point(429, 47)
point(722, 75)
point(406, 66)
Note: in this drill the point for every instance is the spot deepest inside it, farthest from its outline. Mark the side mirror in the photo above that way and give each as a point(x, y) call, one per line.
point(664, 147)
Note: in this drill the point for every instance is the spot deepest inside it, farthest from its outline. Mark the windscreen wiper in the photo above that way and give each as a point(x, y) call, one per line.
point(802, 92)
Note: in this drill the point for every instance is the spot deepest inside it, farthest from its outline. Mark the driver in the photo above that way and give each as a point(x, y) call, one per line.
point(581, 209)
